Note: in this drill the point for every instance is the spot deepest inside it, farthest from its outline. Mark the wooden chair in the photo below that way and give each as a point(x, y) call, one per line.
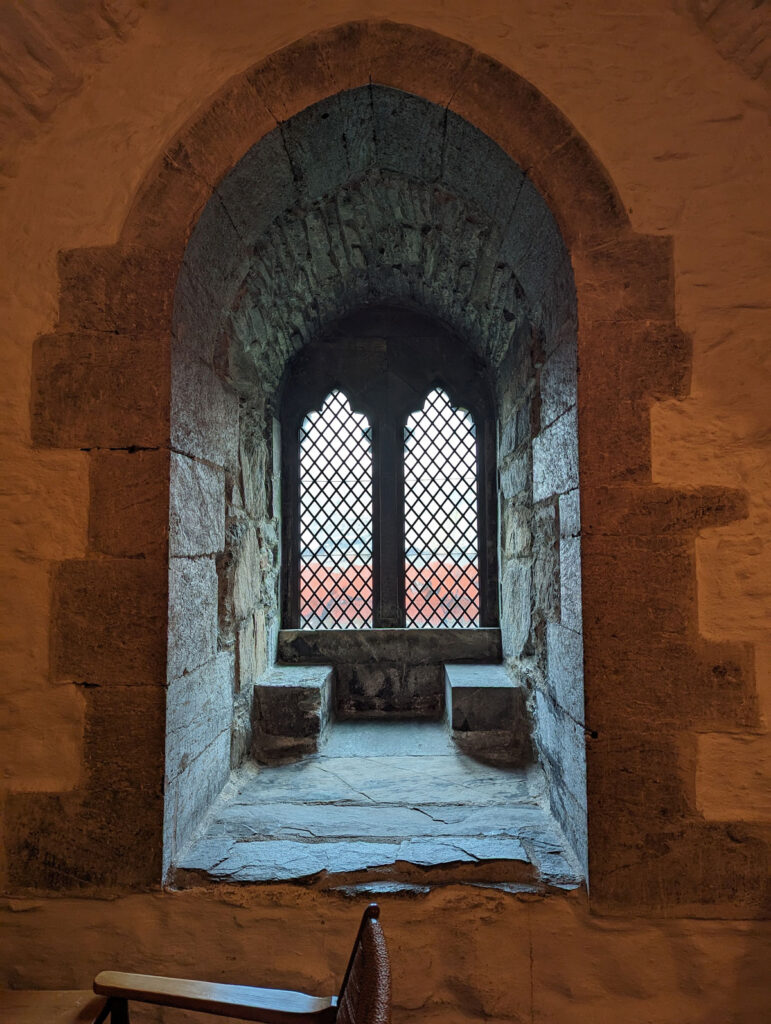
point(365, 995)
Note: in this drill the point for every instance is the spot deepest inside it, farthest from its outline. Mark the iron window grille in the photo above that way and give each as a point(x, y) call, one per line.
point(335, 517)
point(441, 516)
point(388, 479)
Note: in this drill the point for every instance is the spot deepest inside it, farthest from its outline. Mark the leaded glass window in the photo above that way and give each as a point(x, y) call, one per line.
point(335, 517)
point(388, 488)
point(441, 516)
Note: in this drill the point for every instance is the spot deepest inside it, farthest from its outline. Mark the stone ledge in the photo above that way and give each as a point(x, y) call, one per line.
point(388, 673)
point(487, 713)
point(290, 712)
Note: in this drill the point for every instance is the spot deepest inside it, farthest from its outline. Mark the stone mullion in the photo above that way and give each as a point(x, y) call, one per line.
point(388, 524)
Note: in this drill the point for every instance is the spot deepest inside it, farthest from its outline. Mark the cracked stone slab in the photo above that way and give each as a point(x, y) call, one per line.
point(431, 817)
point(390, 780)
point(322, 821)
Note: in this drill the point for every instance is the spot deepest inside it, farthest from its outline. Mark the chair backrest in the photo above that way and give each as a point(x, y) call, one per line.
point(365, 995)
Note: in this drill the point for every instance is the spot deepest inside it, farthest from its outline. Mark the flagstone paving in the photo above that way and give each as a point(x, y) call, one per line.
point(387, 802)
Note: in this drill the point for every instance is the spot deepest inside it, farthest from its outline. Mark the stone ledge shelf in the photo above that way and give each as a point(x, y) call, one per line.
point(487, 713)
point(388, 673)
point(291, 711)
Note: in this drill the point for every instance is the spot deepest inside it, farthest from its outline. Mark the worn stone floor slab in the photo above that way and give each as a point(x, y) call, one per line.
point(382, 802)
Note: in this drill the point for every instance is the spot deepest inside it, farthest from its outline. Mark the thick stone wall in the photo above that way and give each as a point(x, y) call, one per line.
point(683, 135)
point(630, 351)
point(372, 196)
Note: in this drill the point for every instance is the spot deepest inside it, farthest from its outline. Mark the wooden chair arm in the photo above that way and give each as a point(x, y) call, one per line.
point(267, 1005)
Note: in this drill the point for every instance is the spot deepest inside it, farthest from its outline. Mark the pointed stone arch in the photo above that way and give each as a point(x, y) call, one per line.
point(102, 382)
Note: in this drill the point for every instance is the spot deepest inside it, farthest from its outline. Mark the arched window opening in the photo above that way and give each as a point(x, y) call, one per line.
point(335, 517)
point(389, 490)
point(441, 515)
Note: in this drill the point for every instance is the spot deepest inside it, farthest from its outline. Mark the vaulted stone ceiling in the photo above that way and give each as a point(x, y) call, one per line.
point(372, 195)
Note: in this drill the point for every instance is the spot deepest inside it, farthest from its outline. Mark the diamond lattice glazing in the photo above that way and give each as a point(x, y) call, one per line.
point(335, 517)
point(440, 516)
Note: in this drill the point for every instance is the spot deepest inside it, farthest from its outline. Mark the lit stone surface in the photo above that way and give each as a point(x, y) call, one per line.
point(378, 801)
point(291, 711)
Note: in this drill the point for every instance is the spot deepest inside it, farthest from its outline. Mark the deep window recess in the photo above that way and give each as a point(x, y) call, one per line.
point(440, 515)
point(335, 517)
point(388, 489)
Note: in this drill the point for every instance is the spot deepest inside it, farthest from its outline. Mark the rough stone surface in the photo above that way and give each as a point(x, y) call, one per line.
point(199, 708)
point(192, 614)
point(555, 458)
point(291, 710)
point(697, 173)
point(388, 672)
point(480, 697)
point(382, 801)
point(129, 508)
point(197, 511)
point(108, 621)
point(100, 390)
point(204, 412)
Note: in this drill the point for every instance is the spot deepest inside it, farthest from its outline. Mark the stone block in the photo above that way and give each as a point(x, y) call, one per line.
point(570, 514)
point(570, 583)
point(126, 290)
point(251, 651)
point(475, 167)
point(516, 475)
point(123, 740)
point(216, 257)
point(253, 466)
point(545, 254)
point(638, 586)
point(109, 621)
point(129, 508)
point(100, 391)
point(199, 318)
point(389, 672)
point(616, 447)
point(199, 708)
point(516, 532)
point(290, 712)
point(555, 457)
point(196, 507)
point(384, 689)
point(546, 567)
point(167, 203)
point(516, 606)
point(487, 712)
point(409, 133)
point(247, 570)
point(410, 646)
point(193, 614)
point(259, 188)
point(565, 668)
point(671, 681)
point(628, 280)
point(317, 142)
point(191, 793)
point(560, 741)
point(559, 382)
point(204, 412)
point(643, 510)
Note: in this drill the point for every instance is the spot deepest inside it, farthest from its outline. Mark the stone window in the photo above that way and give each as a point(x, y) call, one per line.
point(335, 511)
point(441, 515)
point(420, 257)
point(389, 497)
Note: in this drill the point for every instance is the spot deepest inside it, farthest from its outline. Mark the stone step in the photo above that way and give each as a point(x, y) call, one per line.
point(291, 710)
point(487, 713)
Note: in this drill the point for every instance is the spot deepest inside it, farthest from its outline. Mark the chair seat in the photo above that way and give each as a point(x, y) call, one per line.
point(66, 1006)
